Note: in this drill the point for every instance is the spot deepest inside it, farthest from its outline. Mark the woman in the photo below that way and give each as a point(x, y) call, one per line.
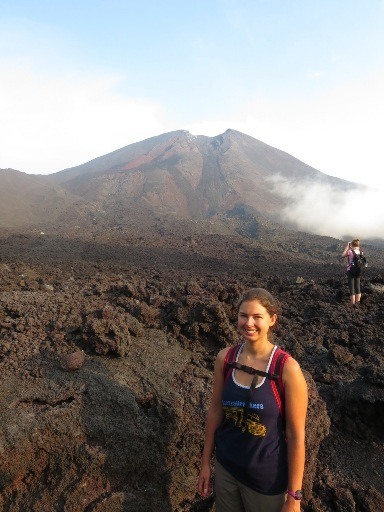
point(260, 452)
point(353, 280)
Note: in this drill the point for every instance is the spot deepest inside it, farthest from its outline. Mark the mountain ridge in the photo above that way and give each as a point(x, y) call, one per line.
point(175, 173)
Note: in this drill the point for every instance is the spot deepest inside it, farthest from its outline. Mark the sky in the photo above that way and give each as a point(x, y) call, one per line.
point(81, 78)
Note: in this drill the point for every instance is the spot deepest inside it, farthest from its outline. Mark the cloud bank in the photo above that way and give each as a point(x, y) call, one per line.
point(325, 210)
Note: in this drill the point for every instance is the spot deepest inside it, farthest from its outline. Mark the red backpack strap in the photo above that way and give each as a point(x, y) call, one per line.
point(277, 364)
point(230, 357)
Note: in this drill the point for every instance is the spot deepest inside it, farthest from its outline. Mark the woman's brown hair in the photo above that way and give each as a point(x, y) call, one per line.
point(263, 296)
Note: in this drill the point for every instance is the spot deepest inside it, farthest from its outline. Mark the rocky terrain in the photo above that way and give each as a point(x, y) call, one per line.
point(107, 343)
point(117, 280)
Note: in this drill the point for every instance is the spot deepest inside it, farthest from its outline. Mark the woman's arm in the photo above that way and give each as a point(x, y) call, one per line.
point(214, 419)
point(296, 402)
point(345, 252)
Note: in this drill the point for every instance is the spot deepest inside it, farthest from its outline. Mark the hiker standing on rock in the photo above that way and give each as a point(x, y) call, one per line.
point(256, 419)
point(353, 252)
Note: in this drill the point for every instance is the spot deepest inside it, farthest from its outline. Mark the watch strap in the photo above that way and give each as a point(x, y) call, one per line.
point(297, 495)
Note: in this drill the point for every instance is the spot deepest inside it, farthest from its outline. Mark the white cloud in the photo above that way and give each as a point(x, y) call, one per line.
point(324, 210)
point(315, 74)
point(50, 122)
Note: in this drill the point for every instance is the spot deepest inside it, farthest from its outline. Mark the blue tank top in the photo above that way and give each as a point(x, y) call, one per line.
point(251, 445)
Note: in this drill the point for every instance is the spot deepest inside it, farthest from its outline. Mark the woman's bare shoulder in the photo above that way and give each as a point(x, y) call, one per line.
point(292, 370)
point(220, 358)
point(221, 355)
point(292, 364)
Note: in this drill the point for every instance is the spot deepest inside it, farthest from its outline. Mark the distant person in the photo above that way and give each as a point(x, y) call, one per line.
point(255, 425)
point(353, 270)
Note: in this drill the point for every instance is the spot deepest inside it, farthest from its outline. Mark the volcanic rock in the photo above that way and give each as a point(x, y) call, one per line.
point(73, 361)
point(126, 271)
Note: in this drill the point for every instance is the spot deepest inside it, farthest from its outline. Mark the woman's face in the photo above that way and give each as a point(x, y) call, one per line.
point(254, 321)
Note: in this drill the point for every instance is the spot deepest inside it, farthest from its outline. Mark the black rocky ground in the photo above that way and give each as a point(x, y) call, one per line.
point(124, 431)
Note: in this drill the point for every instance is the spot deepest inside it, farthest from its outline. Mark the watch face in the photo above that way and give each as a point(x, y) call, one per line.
point(298, 495)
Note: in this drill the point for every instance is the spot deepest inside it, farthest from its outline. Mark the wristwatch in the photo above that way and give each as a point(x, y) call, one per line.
point(298, 495)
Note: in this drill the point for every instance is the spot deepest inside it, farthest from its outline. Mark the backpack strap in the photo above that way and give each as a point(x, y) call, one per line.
point(277, 365)
point(230, 357)
point(253, 371)
point(359, 254)
point(275, 373)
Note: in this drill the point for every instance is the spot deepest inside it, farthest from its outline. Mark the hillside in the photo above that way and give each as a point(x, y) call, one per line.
point(175, 174)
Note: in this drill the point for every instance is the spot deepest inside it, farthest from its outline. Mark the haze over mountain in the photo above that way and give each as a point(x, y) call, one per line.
point(184, 176)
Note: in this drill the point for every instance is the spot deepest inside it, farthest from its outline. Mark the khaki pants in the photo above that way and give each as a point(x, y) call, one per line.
point(232, 496)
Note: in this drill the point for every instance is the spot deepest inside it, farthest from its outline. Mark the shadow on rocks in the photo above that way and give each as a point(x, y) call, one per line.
point(94, 439)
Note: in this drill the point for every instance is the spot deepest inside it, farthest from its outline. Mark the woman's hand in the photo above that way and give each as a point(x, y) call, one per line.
point(347, 248)
point(291, 505)
point(204, 484)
